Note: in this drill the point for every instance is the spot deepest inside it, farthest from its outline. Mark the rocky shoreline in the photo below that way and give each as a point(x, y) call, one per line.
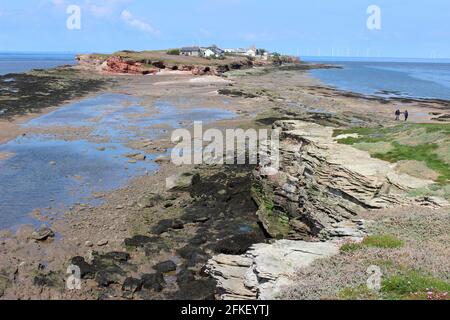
point(213, 233)
point(316, 200)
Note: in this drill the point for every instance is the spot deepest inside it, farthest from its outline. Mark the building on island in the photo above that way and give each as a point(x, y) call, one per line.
point(212, 52)
point(216, 52)
point(250, 52)
point(207, 52)
point(190, 51)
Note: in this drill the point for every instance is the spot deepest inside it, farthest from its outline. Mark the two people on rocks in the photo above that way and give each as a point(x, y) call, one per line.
point(398, 114)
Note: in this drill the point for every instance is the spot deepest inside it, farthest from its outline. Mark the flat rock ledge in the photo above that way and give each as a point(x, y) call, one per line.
point(266, 269)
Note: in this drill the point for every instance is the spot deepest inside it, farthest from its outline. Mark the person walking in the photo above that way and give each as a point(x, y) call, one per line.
point(406, 115)
point(397, 115)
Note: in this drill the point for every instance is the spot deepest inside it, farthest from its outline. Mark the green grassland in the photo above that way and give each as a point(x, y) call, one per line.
point(425, 145)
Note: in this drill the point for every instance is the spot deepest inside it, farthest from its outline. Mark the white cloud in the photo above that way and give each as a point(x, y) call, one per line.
point(143, 26)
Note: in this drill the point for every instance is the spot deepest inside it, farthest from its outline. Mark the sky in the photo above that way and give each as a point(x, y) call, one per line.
point(403, 28)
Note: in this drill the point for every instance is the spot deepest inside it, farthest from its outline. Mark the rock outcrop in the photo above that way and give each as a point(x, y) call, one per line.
point(316, 195)
point(265, 270)
point(323, 185)
point(119, 65)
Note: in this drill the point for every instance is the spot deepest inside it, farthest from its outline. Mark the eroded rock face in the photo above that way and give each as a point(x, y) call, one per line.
point(119, 65)
point(323, 185)
point(264, 271)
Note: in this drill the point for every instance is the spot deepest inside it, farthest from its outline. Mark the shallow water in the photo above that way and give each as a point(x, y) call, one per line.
point(389, 79)
point(11, 62)
point(51, 174)
point(30, 180)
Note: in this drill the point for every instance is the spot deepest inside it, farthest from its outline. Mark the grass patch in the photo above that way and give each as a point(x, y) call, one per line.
point(382, 241)
point(418, 142)
point(351, 247)
point(413, 285)
point(358, 293)
point(423, 152)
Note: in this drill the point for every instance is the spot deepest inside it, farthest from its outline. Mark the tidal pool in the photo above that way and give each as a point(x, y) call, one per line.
point(51, 174)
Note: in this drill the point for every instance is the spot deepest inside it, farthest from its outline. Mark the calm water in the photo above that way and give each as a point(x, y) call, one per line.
point(51, 174)
point(23, 62)
point(400, 79)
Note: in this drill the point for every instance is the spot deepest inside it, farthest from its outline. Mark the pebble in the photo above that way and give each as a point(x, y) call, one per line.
point(102, 243)
point(88, 244)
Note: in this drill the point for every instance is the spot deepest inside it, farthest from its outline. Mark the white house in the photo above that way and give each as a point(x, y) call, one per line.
point(251, 52)
point(212, 52)
point(190, 51)
point(207, 53)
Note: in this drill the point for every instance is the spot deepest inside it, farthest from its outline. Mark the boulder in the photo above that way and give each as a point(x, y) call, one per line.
point(87, 270)
point(105, 279)
point(162, 160)
point(131, 286)
point(42, 234)
point(137, 156)
point(166, 225)
point(139, 241)
point(102, 243)
point(200, 290)
point(165, 267)
point(181, 182)
point(117, 256)
point(237, 244)
point(153, 281)
point(184, 277)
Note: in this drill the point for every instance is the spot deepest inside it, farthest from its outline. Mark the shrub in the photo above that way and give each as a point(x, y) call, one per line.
point(174, 52)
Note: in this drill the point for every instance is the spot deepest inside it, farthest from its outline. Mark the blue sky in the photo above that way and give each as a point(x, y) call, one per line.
point(408, 28)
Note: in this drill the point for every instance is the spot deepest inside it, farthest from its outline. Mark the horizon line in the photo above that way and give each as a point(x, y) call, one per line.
point(301, 56)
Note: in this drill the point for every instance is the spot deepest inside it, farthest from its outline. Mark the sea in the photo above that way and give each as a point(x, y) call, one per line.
point(404, 78)
point(18, 62)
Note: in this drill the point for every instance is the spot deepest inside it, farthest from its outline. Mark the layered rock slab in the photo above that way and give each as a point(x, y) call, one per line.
point(266, 269)
point(322, 185)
